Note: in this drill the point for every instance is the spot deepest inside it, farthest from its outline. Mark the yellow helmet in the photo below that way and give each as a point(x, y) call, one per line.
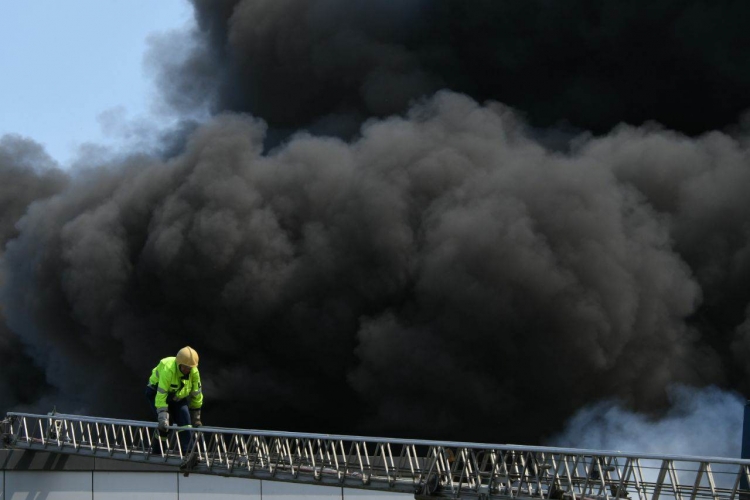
point(187, 356)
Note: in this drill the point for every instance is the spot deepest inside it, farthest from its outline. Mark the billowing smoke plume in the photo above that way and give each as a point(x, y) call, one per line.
point(442, 272)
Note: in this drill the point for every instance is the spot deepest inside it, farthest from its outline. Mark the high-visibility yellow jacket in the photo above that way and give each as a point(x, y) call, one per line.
point(169, 380)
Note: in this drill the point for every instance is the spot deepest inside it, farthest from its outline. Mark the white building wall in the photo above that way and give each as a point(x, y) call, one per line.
point(352, 494)
point(274, 490)
point(135, 486)
point(106, 485)
point(27, 485)
point(199, 486)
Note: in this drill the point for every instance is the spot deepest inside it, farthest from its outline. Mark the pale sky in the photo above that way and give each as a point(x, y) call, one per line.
point(63, 63)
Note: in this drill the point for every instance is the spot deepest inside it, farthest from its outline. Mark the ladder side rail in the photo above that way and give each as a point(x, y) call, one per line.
point(696, 459)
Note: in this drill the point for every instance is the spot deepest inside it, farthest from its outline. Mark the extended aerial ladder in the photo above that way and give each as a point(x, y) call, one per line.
point(421, 468)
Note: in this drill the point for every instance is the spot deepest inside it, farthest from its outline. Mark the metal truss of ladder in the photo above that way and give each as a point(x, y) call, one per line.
point(422, 468)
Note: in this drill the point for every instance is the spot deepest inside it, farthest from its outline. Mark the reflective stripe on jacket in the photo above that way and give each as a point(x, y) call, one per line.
point(169, 380)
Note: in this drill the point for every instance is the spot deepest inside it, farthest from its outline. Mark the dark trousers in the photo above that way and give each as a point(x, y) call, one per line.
point(179, 414)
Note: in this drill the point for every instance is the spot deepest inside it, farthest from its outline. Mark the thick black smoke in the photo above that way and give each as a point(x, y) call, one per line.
point(27, 174)
point(329, 64)
point(439, 273)
point(444, 269)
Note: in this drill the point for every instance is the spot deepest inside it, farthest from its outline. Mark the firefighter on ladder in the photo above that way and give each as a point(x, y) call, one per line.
point(174, 389)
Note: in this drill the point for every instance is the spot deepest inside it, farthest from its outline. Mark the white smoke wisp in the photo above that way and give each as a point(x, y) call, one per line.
point(700, 422)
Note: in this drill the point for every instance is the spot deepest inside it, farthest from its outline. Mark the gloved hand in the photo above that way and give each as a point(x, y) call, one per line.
point(195, 418)
point(163, 416)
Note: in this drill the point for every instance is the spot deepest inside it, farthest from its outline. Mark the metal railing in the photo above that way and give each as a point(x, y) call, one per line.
point(422, 468)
